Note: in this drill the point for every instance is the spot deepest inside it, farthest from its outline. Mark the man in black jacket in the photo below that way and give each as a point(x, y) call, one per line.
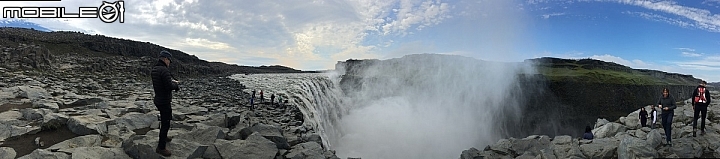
point(701, 100)
point(163, 84)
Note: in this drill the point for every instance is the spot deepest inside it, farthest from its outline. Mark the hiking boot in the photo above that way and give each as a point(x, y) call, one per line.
point(168, 139)
point(164, 152)
point(702, 132)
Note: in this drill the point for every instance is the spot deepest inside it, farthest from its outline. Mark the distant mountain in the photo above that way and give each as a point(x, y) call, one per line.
point(715, 84)
point(19, 23)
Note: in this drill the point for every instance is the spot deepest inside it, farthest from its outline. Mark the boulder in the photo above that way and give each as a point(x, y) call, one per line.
point(96, 152)
point(631, 147)
point(608, 130)
point(80, 141)
point(216, 120)
point(532, 144)
point(502, 148)
point(7, 130)
point(32, 114)
point(205, 135)
point(45, 154)
point(54, 121)
point(600, 148)
point(254, 147)
point(272, 133)
point(471, 153)
point(87, 124)
point(33, 92)
point(654, 138)
point(142, 146)
point(632, 121)
point(12, 118)
point(308, 150)
point(134, 121)
point(566, 147)
point(7, 152)
point(686, 148)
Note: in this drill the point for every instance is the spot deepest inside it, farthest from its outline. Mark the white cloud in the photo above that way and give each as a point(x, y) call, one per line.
point(546, 16)
point(293, 33)
point(701, 18)
point(690, 54)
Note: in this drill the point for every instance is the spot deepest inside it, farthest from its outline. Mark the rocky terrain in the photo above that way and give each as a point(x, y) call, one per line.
point(624, 138)
point(104, 117)
point(71, 95)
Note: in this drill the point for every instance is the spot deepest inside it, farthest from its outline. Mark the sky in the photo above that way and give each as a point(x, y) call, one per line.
point(672, 36)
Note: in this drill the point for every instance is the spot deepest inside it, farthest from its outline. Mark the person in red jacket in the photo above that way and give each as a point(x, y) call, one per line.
point(701, 100)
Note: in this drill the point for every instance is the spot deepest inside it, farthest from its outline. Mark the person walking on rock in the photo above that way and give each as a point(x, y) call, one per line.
point(667, 105)
point(701, 100)
point(163, 85)
point(654, 118)
point(252, 100)
point(643, 117)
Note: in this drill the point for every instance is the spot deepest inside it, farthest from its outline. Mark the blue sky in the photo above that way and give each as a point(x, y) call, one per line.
point(672, 36)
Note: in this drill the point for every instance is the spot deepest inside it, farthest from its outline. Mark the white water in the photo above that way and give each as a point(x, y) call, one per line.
point(417, 107)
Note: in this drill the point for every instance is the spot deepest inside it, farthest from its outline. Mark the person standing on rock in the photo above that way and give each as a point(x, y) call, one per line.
point(701, 100)
point(643, 117)
point(654, 118)
point(252, 100)
point(667, 105)
point(272, 100)
point(163, 84)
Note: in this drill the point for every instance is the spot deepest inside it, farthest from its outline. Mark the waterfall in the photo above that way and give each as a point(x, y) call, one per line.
point(318, 97)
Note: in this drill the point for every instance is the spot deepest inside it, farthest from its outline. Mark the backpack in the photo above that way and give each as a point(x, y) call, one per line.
point(701, 96)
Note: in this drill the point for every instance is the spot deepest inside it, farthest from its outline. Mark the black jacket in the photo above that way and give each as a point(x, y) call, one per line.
point(707, 96)
point(162, 83)
point(667, 102)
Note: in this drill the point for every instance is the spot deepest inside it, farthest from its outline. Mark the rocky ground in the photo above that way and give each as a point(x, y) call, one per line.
point(624, 138)
point(56, 115)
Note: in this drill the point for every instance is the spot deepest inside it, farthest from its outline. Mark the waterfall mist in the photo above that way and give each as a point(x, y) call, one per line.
point(428, 106)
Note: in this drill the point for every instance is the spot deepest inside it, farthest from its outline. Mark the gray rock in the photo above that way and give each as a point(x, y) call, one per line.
point(235, 132)
point(48, 105)
point(548, 153)
point(308, 150)
point(7, 130)
point(686, 148)
point(80, 141)
point(134, 121)
point(600, 148)
point(31, 114)
point(7, 152)
point(640, 134)
point(33, 92)
point(54, 121)
point(272, 133)
point(211, 153)
point(254, 147)
point(96, 152)
point(717, 153)
point(45, 154)
point(608, 130)
point(142, 146)
point(532, 144)
point(190, 110)
point(12, 117)
point(632, 121)
point(205, 135)
point(471, 153)
point(312, 137)
point(216, 120)
point(87, 124)
point(631, 147)
point(654, 138)
point(503, 148)
point(566, 147)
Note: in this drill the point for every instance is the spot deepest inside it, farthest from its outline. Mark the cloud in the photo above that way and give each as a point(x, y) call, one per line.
point(700, 18)
point(546, 16)
point(690, 54)
point(294, 33)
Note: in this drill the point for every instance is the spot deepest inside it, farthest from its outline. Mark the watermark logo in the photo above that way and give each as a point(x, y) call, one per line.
point(107, 12)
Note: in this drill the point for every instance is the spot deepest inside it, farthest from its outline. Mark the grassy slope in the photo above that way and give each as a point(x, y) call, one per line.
point(575, 72)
